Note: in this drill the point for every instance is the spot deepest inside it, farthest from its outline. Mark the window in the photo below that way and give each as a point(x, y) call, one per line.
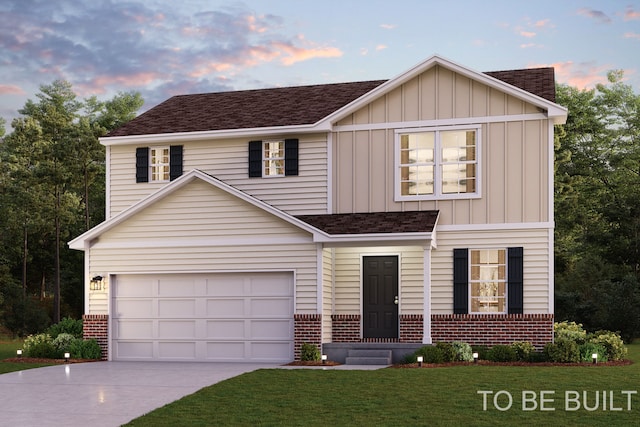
point(439, 163)
point(488, 280)
point(274, 158)
point(158, 164)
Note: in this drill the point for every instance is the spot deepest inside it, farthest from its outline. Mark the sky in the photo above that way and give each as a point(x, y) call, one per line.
point(162, 48)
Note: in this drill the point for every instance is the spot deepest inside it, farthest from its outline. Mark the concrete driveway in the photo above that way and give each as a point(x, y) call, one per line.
point(104, 393)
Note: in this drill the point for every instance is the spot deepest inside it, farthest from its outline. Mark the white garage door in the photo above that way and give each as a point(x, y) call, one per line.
point(239, 317)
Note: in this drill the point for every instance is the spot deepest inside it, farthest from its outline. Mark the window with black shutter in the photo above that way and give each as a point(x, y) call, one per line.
point(273, 158)
point(157, 164)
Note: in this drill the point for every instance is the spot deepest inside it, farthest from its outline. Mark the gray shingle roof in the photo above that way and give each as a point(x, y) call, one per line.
point(373, 223)
point(287, 106)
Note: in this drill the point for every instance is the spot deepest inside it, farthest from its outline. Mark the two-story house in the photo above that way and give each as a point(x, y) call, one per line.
point(398, 213)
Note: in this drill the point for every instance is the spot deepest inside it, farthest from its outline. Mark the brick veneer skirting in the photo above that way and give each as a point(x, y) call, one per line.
point(492, 329)
point(307, 329)
point(346, 328)
point(97, 326)
point(411, 328)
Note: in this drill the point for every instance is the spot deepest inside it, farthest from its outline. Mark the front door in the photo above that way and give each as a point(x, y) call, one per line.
point(380, 296)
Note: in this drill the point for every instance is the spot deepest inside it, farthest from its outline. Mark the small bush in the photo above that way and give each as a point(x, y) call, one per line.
point(309, 352)
point(431, 354)
point(502, 353)
point(562, 351)
point(587, 349)
point(66, 326)
point(63, 341)
point(612, 343)
point(85, 349)
point(448, 351)
point(482, 351)
point(569, 331)
point(523, 350)
point(463, 351)
point(41, 346)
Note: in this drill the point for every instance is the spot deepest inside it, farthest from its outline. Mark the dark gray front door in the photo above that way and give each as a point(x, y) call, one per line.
point(380, 296)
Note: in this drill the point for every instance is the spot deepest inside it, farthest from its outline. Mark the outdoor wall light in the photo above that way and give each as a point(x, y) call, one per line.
point(66, 357)
point(96, 283)
point(19, 353)
point(475, 357)
point(324, 359)
point(420, 359)
point(594, 357)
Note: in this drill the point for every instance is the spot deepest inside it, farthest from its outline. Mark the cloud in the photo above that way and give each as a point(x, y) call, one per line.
point(583, 75)
point(543, 23)
point(11, 90)
point(387, 26)
point(530, 45)
point(381, 47)
point(528, 34)
point(595, 14)
point(631, 35)
point(630, 14)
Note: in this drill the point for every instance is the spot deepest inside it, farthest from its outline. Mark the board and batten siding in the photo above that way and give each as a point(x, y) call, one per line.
point(535, 243)
point(348, 278)
point(227, 160)
point(199, 229)
point(514, 156)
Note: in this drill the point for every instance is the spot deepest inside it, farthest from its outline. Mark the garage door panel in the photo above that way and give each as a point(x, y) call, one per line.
point(176, 329)
point(203, 317)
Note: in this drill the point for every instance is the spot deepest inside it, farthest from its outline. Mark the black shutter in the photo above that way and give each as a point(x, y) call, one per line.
point(142, 164)
point(460, 281)
point(515, 280)
point(290, 157)
point(255, 159)
point(175, 162)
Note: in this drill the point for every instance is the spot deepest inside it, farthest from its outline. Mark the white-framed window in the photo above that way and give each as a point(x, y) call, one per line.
point(273, 158)
point(159, 163)
point(437, 163)
point(488, 280)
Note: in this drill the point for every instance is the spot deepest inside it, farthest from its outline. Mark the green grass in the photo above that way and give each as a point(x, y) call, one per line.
point(407, 397)
point(8, 347)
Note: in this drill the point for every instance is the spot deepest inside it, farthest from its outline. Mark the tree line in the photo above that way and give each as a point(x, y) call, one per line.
point(52, 189)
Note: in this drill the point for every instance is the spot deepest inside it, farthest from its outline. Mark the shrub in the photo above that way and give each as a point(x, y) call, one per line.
point(569, 331)
point(449, 353)
point(587, 349)
point(63, 341)
point(523, 350)
point(463, 351)
point(66, 326)
point(562, 351)
point(41, 346)
point(612, 343)
point(309, 352)
point(431, 354)
point(85, 349)
point(501, 353)
point(482, 351)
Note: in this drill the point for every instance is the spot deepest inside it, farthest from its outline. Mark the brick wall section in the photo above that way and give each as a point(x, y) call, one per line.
point(345, 327)
point(411, 328)
point(492, 329)
point(97, 326)
point(307, 329)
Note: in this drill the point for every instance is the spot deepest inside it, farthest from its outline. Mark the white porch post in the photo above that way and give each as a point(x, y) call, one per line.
point(426, 310)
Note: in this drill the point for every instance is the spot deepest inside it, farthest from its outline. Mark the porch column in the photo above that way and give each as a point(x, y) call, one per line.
point(426, 305)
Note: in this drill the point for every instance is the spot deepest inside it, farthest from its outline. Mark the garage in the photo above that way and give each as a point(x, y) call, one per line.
point(230, 317)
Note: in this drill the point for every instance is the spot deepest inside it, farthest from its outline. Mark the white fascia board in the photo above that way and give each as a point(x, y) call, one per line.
point(554, 111)
point(376, 239)
point(178, 137)
point(78, 242)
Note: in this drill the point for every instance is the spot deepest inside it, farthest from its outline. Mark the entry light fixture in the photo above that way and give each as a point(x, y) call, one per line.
point(420, 359)
point(96, 283)
point(475, 357)
point(324, 359)
point(594, 357)
point(19, 353)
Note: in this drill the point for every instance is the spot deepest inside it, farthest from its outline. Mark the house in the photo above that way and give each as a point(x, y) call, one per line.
point(390, 213)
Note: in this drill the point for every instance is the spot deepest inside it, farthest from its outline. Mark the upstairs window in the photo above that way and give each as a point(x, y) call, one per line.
point(439, 163)
point(158, 164)
point(273, 158)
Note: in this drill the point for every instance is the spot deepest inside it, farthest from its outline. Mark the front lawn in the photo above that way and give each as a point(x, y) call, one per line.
point(8, 347)
point(410, 397)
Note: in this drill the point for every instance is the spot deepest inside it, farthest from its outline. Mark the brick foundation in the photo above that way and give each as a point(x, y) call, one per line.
point(97, 326)
point(492, 329)
point(307, 329)
point(411, 328)
point(345, 327)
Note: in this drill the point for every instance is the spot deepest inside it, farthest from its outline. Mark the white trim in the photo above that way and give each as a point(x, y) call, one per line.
point(107, 176)
point(319, 281)
point(551, 191)
point(426, 304)
point(330, 172)
point(497, 226)
point(382, 239)
point(200, 242)
point(110, 297)
point(87, 275)
point(551, 291)
point(441, 122)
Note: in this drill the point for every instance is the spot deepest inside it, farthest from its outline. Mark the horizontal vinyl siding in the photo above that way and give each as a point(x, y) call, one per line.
point(327, 293)
point(227, 160)
point(536, 264)
point(348, 278)
point(98, 303)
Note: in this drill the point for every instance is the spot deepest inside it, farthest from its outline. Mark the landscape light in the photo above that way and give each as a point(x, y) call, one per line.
point(66, 357)
point(19, 353)
point(475, 357)
point(324, 359)
point(420, 359)
point(594, 357)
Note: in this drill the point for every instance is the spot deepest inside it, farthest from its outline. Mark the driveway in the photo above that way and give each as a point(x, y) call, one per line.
point(104, 393)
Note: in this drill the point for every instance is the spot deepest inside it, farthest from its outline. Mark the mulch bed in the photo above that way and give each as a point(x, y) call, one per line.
point(51, 361)
point(312, 363)
point(488, 363)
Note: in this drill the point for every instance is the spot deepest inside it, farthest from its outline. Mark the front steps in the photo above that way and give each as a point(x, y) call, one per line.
point(369, 357)
point(338, 352)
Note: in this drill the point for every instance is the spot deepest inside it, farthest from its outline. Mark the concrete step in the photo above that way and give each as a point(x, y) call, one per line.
point(369, 353)
point(368, 357)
